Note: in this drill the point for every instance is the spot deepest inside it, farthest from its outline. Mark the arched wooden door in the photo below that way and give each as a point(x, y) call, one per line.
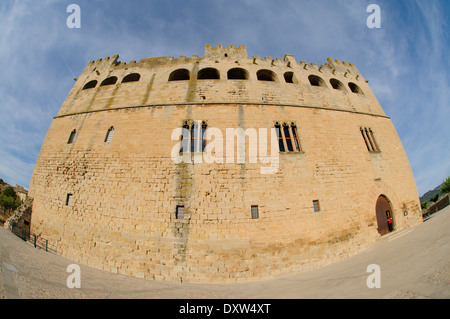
point(384, 211)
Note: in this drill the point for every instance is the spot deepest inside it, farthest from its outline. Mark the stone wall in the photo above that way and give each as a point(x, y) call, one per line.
point(121, 215)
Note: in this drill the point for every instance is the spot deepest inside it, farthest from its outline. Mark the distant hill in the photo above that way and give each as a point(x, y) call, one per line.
point(426, 197)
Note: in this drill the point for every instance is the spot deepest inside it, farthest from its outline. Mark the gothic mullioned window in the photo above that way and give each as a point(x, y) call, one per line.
point(288, 138)
point(193, 136)
point(369, 139)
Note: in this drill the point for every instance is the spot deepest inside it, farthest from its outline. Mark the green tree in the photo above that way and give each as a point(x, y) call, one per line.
point(424, 205)
point(9, 202)
point(9, 191)
point(445, 187)
point(8, 199)
point(434, 198)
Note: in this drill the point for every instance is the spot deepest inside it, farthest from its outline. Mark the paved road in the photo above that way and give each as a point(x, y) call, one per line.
point(413, 263)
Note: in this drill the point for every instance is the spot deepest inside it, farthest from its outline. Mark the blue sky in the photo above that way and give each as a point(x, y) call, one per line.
point(406, 61)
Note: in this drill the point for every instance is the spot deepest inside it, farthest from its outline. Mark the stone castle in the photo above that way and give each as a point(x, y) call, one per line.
point(110, 190)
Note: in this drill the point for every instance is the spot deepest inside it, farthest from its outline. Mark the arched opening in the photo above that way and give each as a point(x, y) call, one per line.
point(355, 88)
point(289, 77)
point(385, 216)
point(208, 74)
point(90, 85)
point(109, 81)
point(133, 77)
point(315, 80)
point(266, 75)
point(237, 74)
point(179, 75)
point(336, 84)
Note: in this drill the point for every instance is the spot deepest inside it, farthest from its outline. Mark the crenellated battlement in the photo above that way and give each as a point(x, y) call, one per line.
point(231, 54)
point(229, 51)
point(225, 74)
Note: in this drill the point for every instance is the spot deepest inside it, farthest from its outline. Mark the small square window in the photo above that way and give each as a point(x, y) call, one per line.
point(68, 199)
point(316, 206)
point(179, 214)
point(255, 213)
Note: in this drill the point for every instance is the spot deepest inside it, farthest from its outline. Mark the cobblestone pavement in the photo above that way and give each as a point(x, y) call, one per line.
point(414, 263)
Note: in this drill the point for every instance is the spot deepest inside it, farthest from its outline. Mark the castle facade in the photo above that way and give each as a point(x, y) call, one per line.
point(222, 168)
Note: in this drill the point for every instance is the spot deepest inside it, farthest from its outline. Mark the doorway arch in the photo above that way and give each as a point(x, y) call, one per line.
point(383, 211)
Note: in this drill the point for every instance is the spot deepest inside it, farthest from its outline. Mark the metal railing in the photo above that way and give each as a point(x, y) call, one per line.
point(36, 240)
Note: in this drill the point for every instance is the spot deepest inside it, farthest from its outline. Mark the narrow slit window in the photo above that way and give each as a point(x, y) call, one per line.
point(295, 138)
point(72, 137)
point(377, 149)
point(370, 141)
point(287, 136)
point(316, 206)
point(109, 135)
point(203, 136)
point(179, 213)
point(280, 137)
point(185, 138)
point(194, 137)
point(365, 138)
point(68, 199)
point(255, 212)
